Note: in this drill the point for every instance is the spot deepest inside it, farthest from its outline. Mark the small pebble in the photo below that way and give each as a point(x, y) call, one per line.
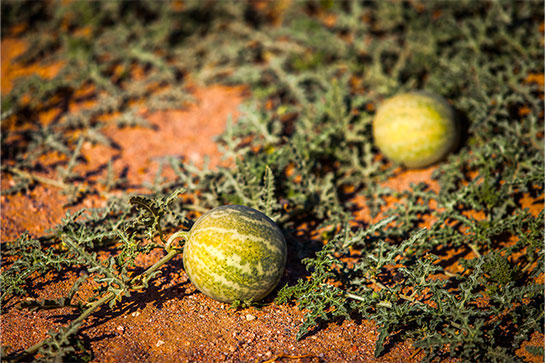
point(250, 317)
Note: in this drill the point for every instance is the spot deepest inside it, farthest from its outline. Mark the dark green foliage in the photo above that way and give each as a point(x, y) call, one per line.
point(32, 258)
point(301, 151)
point(75, 244)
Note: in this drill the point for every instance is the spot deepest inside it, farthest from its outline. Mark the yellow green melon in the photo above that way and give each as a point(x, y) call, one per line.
point(235, 253)
point(416, 129)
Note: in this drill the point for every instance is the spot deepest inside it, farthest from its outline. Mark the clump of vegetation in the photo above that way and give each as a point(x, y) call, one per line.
point(303, 150)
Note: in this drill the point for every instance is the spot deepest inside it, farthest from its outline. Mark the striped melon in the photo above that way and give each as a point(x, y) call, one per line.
point(235, 253)
point(415, 129)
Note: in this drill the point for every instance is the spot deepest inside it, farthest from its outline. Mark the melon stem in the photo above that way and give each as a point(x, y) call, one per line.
point(175, 236)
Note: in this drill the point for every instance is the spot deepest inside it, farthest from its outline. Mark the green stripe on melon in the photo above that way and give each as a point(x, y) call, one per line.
point(235, 253)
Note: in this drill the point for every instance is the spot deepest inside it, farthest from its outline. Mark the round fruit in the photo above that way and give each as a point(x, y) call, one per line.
point(235, 253)
point(415, 129)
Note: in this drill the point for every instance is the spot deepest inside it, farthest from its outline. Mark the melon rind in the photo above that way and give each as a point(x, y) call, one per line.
point(235, 253)
point(416, 129)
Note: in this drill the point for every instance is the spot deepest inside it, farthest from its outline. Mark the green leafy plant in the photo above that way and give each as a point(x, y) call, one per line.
point(453, 264)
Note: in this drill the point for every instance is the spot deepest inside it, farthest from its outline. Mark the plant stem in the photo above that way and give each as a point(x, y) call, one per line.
point(355, 297)
point(40, 179)
point(74, 324)
point(475, 249)
point(32, 350)
point(383, 303)
point(154, 268)
point(53, 182)
point(177, 235)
